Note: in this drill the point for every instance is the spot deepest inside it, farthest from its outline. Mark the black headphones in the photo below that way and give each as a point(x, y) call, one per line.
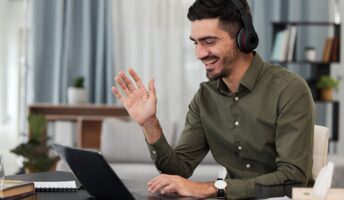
point(247, 38)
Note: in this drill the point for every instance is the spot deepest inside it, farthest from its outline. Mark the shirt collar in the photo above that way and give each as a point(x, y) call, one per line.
point(250, 77)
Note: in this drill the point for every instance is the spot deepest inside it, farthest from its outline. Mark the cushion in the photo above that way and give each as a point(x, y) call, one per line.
point(321, 135)
point(123, 140)
point(131, 171)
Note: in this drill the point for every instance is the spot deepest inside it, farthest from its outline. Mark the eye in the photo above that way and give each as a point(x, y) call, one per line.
point(210, 41)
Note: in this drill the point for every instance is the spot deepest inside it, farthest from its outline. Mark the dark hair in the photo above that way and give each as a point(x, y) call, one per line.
point(225, 10)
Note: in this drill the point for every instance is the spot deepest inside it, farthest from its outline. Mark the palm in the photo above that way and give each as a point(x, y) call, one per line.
point(139, 106)
point(140, 103)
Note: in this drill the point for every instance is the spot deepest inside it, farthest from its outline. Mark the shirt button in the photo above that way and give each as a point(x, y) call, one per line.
point(236, 98)
point(239, 148)
point(236, 123)
point(248, 166)
point(153, 152)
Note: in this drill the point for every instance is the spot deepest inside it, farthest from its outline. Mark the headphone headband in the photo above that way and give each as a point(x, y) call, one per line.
point(239, 6)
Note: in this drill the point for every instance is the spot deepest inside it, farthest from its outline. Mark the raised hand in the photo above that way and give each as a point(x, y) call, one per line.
point(140, 103)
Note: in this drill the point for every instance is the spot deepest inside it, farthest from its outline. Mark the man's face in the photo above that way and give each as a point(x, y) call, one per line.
point(214, 47)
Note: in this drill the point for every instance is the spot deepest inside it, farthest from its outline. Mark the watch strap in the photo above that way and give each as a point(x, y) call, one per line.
point(221, 194)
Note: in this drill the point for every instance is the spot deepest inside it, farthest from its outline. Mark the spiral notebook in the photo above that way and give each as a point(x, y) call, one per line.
point(42, 186)
point(51, 181)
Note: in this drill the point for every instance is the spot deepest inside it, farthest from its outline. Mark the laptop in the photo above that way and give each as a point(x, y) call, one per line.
point(97, 177)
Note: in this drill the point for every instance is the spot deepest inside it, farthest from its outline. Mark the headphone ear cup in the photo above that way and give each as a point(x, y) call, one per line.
point(241, 39)
point(247, 42)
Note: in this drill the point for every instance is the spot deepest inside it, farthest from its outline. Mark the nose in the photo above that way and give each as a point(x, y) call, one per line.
point(201, 51)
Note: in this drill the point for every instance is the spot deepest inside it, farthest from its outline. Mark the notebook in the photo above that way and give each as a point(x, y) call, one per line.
point(46, 181)
point(15, 189)
point(42, 186)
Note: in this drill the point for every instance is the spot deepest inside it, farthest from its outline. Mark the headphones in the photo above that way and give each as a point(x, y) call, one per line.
point(247, 38)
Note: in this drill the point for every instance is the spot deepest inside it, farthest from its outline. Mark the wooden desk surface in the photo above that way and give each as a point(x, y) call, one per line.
point(136, 187)
point(68, 111)
point(87, 116)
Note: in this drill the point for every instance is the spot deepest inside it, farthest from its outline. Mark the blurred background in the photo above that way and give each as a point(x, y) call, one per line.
point(46, 44)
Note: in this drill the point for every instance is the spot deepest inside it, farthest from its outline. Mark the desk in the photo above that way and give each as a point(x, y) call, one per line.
point(133, 186)
point(87, 116)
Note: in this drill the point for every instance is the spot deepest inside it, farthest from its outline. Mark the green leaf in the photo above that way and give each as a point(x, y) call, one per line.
point(326, 82)
point(79, 82)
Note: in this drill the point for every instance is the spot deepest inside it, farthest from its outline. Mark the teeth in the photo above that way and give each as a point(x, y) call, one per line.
point(210, 62)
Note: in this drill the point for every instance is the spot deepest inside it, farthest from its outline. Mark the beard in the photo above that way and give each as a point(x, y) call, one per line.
point(227, 65)
point(223, 73)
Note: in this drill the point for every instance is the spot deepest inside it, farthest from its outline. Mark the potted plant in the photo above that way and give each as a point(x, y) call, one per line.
point(77, 94)
point(326, 84)
point(36, 150)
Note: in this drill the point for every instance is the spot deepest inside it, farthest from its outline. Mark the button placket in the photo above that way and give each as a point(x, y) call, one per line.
point(236, 112)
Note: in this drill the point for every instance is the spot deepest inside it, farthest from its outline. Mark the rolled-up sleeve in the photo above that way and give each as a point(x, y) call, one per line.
point(191, 148)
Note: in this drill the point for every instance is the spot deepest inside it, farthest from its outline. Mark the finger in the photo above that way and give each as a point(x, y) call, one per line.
point(157, 184)
point(169, 189)
point(152, 92)
point(128, 82)
point(118, 94)
point(124, 87)
point(156, 179)
point(136, 78)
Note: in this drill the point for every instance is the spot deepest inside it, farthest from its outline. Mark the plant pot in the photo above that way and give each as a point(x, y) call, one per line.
point(326, 94)
point(77, 95)
point(52, 167)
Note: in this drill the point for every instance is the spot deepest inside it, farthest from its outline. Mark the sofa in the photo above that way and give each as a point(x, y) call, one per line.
point(123, 145)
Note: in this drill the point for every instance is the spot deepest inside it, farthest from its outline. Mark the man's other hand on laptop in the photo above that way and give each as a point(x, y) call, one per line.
point(172, 184)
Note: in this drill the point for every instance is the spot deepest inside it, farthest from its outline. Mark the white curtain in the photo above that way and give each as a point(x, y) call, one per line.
point(2, 61)
point(11, 29)
point(152, 36)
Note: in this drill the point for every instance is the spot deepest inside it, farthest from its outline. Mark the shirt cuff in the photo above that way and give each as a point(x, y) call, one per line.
point(159, 148)
point(238, 189)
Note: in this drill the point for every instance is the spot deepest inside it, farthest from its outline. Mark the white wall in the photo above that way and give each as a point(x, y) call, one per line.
point(3, 24)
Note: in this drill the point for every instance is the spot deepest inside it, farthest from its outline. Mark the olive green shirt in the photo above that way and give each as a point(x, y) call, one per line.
point(262, 134)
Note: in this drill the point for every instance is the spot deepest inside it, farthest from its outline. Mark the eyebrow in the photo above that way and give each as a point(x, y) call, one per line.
point(203, 38)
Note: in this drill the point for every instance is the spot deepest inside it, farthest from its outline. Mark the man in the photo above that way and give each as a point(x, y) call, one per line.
point(255, 118)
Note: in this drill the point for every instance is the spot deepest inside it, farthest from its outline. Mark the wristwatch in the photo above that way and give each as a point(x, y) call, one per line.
point(220, 185)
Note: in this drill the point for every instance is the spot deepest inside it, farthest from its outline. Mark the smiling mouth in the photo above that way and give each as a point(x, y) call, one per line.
point(208, 62)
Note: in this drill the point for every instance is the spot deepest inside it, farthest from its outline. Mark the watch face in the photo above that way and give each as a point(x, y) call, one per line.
point(220, 184)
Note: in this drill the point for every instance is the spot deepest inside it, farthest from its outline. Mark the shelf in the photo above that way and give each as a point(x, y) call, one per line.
point(303, 62)
point(304, 23)
point(281, 29)
point(321, 101)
